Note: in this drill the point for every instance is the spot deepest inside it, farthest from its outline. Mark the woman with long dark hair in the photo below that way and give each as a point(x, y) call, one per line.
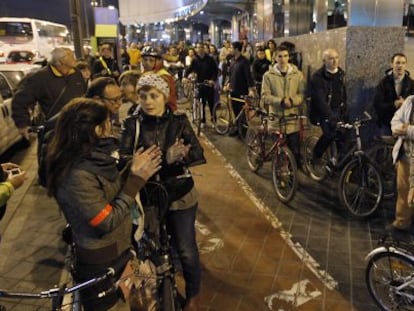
point(95, 198)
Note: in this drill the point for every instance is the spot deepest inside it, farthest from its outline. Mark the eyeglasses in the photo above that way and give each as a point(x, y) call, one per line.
point(114, 100)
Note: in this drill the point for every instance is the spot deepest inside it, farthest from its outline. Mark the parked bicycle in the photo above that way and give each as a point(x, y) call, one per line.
point(196, 109)
point(284, 166)
point(226, 121)
point(389, 274)
point(360, 188)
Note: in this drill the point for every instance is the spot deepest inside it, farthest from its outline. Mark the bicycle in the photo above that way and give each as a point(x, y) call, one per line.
point(155, 245)
point(284, 166)
point(57, 294)
point(389, 274)
point(196, 110)
point(225, 120)
point(360, 188)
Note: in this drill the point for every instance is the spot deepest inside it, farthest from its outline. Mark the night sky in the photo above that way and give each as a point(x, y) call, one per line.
point(52, 10)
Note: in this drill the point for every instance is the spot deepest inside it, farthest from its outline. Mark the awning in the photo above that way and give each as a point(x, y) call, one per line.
point(147, 11)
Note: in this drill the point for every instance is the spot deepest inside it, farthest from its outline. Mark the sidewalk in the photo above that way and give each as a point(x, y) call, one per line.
point(248, 262)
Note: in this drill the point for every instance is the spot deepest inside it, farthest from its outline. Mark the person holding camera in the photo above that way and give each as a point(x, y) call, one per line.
point(11, 178)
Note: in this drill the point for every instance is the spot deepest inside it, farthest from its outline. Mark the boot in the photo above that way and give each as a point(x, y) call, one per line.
point(192, 304)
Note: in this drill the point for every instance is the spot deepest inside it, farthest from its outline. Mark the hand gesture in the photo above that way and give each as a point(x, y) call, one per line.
point(398, 102)
point(402, 131)
point(178, 151)
point(17, 180)
point(24, 131)
point(8, 166)
point(146, 163)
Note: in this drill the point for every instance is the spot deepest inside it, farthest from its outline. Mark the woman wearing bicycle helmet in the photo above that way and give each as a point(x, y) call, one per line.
point(93, 196)
point(155, 123)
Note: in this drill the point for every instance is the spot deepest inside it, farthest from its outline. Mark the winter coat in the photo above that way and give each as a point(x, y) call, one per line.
point(92, 199)
point(386, 95)
point(276, 87)
point(164, 131)
point(50, 89)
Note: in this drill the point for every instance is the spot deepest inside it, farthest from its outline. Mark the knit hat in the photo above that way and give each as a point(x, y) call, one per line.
point(154, 80)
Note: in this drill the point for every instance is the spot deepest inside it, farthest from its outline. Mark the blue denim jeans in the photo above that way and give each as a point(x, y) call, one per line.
point(181, 227)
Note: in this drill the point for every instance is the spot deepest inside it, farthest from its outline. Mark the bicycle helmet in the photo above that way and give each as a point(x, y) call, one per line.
point(150, 51)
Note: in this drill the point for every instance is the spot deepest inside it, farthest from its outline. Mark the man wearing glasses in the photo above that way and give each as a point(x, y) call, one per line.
point(107, 90)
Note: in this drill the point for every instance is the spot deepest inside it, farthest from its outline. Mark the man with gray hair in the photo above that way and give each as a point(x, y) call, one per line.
point(52, 87)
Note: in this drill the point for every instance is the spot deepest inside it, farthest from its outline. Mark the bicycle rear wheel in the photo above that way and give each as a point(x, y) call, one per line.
point(284, 171)
point(384, 273)
point(254, 149)
point(222, 118)
point(360, 188)
point(317, 171)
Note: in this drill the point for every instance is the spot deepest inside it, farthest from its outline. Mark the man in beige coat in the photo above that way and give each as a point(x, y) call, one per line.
point(283, 90)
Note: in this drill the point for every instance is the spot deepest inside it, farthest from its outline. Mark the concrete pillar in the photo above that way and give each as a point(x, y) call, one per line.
point(265, 19)
point(384, 13)
point(320, 14)
point(234, 28)
point(212, 32)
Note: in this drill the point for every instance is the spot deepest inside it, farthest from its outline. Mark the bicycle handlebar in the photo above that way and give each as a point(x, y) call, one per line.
point(54, 292)
point(357, 123)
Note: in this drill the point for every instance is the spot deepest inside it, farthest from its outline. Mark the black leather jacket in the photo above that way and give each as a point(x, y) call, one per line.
point(164, 131)
point(386, 95)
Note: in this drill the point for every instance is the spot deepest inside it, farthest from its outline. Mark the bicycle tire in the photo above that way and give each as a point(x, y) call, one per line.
point(168, 296)
point(382, 156)
point(284, 173)
point(254, 149)
point(381, 283)
point(222, 118)
point(360, 188)
point(316, 172)
point(196, 116)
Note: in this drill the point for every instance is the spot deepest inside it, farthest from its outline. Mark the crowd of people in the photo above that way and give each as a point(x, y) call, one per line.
point(96, 164)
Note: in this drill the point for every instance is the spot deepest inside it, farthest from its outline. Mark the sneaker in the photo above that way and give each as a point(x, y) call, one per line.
point(393, 229)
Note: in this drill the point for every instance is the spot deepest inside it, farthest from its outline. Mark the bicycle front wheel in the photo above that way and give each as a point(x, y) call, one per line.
point(222, 118)
point(196, 114)
point(385, 272)
point(168, 297)
point(316, 171)
point(254, 149)
point(360, 188)
point(284, 171)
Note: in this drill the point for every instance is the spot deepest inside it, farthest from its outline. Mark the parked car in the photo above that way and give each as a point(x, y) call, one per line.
point(10, 76)
point(15, 72)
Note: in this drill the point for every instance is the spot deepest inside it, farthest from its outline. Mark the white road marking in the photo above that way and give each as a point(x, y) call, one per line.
point(298, 295)
point(210, 245)
point(307, 259)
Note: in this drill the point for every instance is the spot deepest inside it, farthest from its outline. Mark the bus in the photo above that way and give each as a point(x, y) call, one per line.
point(27, 34)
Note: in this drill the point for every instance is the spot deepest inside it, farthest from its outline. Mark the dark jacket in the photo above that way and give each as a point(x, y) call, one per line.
point(164, 131)
point(328, 96)
point(240, 76)
point(99, 70)
point(49, 90)
point(385, 96)
point(93, 183)
point(206, 68)
point(259, 67)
